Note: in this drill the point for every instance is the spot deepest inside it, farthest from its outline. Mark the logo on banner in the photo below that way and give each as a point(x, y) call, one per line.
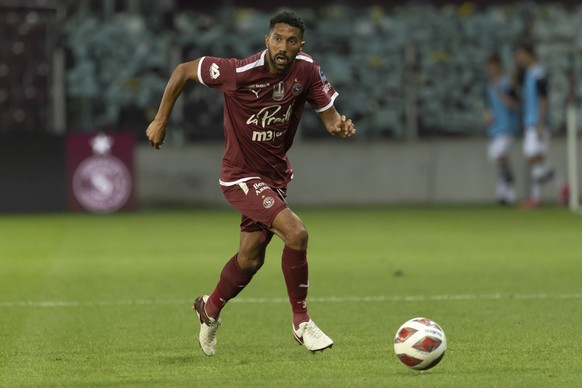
point(102, 183)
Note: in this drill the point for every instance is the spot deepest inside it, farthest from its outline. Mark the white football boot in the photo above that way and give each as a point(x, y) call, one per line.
point(208, 326)
point(311, 336)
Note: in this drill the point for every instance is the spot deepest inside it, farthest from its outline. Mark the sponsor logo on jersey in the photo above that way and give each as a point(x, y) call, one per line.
point(256, 92)
point(257, 88)
point(259, 85)
point(278, 91)
point(326, 85)
point(322, 76)
point(271, 115)
point(260, 187)
point(214, 71)
point(267, 135)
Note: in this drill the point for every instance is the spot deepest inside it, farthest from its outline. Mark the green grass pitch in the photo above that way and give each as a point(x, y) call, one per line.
point(105, 301)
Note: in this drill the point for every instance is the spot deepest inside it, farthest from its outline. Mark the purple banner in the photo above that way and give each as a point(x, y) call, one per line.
point(100, 172)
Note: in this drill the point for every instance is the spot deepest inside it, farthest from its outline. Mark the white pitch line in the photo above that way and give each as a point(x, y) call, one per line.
point(328, 299)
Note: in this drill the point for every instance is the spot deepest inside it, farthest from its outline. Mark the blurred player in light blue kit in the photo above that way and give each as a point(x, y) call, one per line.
point(536, 121)
point(503, 119)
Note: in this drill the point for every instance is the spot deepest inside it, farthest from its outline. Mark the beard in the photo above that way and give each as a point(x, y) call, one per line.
point(280, 62)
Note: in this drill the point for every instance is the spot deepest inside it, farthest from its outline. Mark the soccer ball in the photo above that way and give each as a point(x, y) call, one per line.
point(420, 343)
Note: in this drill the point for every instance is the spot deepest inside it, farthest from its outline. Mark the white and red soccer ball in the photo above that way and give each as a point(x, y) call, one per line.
point(420, 343)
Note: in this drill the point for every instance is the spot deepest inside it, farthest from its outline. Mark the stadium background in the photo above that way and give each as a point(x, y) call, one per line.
point(409, 73)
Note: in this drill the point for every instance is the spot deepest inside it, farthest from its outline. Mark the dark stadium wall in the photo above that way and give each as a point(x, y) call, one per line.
point(38, 171)
point(32, 171)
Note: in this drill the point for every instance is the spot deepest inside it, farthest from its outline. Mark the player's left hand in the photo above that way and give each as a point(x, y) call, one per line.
point(344, 127)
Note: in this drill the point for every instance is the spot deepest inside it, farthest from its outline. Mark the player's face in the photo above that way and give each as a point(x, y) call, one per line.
point(283, 44)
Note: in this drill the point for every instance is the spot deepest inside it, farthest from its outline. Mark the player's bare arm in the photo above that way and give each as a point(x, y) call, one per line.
point(336, 124)
point(183, 73)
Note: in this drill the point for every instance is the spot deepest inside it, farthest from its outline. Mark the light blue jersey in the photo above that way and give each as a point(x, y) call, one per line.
point(535, 86)
point(505, 119)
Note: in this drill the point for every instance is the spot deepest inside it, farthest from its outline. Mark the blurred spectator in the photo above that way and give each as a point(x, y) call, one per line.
point(536, 120)
point(118, 56)
point(503, 119)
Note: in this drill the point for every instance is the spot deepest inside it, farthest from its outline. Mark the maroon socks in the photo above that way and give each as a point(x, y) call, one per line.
point(294, 265)
point(232, 281)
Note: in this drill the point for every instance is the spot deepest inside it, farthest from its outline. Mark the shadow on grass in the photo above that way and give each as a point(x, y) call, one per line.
point(180, 360)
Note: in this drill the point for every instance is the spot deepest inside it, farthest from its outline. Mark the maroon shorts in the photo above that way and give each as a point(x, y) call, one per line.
point(258, 203)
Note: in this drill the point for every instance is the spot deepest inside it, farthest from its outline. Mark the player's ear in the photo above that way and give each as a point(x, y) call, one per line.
point(267, 40)
point(302, 45)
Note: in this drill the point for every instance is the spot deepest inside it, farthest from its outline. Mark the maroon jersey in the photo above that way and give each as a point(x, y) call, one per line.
point(261, 113)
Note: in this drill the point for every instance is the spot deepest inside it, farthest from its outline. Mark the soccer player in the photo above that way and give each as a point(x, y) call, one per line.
point(503, 117)
point(535, 120)
point(264, 97)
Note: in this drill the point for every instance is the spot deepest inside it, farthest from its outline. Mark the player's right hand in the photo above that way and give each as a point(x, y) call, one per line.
point(155, 133)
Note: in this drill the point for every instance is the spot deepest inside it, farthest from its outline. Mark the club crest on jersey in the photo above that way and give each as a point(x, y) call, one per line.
point(278, 91)
point(268, 202)
point(297, 88)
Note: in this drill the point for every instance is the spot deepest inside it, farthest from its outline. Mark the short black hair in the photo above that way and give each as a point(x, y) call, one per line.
point(287, 17)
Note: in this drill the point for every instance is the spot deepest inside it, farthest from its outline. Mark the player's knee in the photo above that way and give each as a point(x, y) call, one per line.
point(251, 263)
point(297, 238)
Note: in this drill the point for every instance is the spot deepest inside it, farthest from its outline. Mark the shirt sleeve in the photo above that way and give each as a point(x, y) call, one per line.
point(542, 86)
point(218, 73)
point(321, 94)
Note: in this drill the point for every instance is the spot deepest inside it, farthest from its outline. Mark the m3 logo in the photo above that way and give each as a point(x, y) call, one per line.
point(267, 135)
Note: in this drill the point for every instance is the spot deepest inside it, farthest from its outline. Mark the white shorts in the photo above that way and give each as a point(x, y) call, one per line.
point(533, 145)
point(499, 146)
